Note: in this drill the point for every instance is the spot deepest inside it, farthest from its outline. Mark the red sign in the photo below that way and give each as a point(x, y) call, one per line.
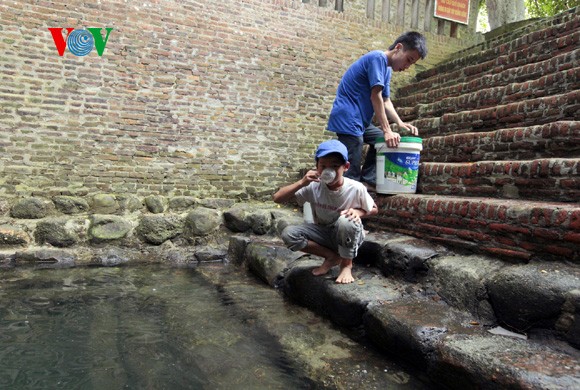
point(454, 10)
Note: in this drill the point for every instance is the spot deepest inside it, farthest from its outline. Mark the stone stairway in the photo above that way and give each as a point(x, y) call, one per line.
point(499, 168)
point(499, 186)
point(435, 310)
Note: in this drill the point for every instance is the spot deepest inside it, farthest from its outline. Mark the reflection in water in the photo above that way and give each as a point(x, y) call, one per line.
point(162, 328)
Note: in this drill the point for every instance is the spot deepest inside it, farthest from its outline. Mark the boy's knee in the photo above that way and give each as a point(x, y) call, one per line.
point(344, 224)
point(292, 237)
point(349, 232)
point(287, 234)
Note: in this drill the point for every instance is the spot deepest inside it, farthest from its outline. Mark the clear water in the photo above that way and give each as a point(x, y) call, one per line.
point(164, 328)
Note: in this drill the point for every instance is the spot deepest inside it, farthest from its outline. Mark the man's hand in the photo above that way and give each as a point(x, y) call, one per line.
point(412, 129)
point(392, 139)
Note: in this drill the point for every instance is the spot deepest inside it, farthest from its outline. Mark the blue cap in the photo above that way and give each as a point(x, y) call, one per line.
point(332, 146)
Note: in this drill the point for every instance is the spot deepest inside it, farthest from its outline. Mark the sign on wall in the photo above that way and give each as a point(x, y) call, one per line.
point(454, 10)
point(80, 42)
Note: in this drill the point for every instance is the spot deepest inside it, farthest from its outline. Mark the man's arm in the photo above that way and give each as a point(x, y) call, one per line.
point(381, 107)
point(392, 113)
point(286, 193)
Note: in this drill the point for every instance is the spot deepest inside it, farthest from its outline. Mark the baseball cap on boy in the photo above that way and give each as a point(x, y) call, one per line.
point(332, 146)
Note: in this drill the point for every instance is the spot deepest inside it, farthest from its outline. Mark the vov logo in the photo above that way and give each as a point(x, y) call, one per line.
point(79, 42)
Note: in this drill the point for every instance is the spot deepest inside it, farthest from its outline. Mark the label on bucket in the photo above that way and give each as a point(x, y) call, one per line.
point(402, 167)
point(397, 172)
point(398, 168)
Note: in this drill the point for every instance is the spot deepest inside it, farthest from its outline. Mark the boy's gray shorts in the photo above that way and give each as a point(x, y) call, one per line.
point(343, 236)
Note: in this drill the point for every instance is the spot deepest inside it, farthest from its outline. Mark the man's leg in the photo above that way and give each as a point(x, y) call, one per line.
point(354, 146)
point(369, 169)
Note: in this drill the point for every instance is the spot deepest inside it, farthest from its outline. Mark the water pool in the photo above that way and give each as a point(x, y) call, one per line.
point(152, 327)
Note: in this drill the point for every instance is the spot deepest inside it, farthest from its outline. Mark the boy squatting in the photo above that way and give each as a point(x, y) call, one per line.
point(338, 207)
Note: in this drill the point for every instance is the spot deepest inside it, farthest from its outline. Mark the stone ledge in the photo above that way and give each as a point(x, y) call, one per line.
point(548, 180)
point(31, 222)
point(541, 80)
point(556, 139)
point(416, 319)
point(530, 112)
point(516, 230)
point(496, 51)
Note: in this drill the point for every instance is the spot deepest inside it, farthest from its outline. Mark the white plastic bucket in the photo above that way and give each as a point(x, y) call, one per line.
point(397, 168)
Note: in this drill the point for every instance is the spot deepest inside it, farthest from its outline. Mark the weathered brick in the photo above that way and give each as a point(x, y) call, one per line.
point(509, 228)
point(509, 253)
point(572, 237)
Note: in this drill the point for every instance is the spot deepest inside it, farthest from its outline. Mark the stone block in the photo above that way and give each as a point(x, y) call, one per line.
point(46, 258)
point(71, 204)
point(156, 204)
point(182, 203)
point(260, 221)
point(237, 249)
point(32, 208)
point(13, 235)
point(156, 229)
point(568, 325)
point(462, 282)
point(532, 295)
point(268, 261)
point(60, 231)
point(202, 221)
point(105, 204)
point(129, 203)
point(237, 219)
point(106, 228)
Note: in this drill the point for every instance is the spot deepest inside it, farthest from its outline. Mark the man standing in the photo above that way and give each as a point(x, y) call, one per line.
point(365, 91)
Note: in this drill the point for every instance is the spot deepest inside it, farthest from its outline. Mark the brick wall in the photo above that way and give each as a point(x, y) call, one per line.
point(201, 98)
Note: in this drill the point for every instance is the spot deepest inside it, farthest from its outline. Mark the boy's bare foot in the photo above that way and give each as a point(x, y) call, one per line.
point(326, 265)
point(345, 275)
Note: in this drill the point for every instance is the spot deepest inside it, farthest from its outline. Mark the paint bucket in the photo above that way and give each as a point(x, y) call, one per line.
point(397, 168)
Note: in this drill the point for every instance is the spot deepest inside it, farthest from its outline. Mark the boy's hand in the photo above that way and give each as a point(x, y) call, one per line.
point(286, 193)
point(352, 214)
point(309, 177)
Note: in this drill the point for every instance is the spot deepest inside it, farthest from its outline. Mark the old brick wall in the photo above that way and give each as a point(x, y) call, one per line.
point(199, 98)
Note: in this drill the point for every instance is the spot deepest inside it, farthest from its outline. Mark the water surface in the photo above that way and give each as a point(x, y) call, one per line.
point(151, 327)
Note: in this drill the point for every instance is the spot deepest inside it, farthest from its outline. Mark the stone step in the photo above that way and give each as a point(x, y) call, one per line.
point(519, 230)
point(479, 94)
point(509, 33)
point(507, 63)
point(521, 74)
point(554, 180)
point(411, 320)
point(538, 111)
point(529, 298)
point(459, 355)
point(557, 139)
point(530, 48)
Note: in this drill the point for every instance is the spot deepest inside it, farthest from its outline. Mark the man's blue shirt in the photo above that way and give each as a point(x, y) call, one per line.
point(352, 110)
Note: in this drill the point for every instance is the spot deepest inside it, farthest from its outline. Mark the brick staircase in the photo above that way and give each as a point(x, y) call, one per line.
point(499, 170)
